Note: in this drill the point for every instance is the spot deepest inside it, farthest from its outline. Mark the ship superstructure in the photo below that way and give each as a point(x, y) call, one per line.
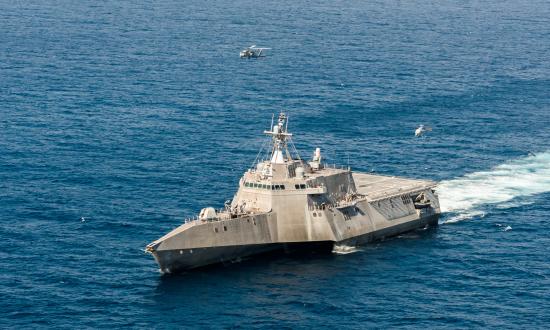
point(284, 201)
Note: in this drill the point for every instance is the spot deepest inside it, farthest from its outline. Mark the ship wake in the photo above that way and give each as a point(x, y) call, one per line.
point(344, 249)
point(505, 186)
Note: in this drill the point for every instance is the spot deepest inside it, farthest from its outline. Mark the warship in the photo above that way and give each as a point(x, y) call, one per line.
point(284, 202)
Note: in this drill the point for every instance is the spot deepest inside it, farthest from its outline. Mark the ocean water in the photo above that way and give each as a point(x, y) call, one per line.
point(118, 119)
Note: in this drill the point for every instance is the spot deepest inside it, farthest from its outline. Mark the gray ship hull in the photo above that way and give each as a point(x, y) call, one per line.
point(172, 261)
point(285, 202)
point(179, 260)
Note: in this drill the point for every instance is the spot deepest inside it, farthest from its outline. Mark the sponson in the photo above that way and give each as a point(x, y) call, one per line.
point(284, 201)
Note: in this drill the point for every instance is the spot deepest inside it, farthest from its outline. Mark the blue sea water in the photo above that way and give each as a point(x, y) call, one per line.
point(132, 115)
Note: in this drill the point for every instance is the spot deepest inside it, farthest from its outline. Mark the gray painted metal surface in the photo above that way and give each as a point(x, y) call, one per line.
point(285, 200)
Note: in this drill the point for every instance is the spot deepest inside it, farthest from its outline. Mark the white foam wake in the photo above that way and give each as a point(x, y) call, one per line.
point(344, 249)
point(518, 178)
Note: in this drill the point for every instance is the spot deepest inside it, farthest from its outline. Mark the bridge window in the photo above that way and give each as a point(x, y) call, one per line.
point(278, 187)
point(259, 186)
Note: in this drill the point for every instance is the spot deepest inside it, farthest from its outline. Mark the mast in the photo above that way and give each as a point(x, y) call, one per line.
point(280, 137)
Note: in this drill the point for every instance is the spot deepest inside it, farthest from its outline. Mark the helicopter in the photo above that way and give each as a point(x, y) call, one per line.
point(420, 130)
point(253, 52)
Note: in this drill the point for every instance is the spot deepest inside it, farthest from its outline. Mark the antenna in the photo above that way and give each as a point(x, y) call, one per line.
point(286, 127)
